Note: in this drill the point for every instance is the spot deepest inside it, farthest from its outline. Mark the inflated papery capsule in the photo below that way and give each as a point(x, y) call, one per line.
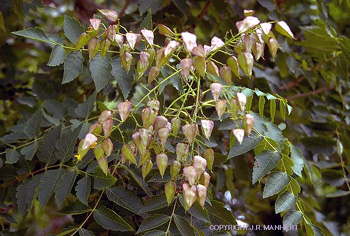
point(198, 51)
point(266, 27)
point(164, 30)
point(220, 107)
point(246, 62)
point(145, 157)
point(190, 131)
point(154, 105)
point(160, 122)
point(124, 110)
point(189, 193)
point(105, 115)
point(226, 74)
point(152, 74)
point(95, 129)
point(146, 168)
point(248, 23)
point(248, 12)
point(81, 153)
point(249, 120)
point(126, 60)
point(111, 32)
point(232, 62)
point(103, 164)
point(185, 65)
point(258, 50)
point(110, 15)
point(207, 127)
point(248, 41)
point(142, 64)
point(131, 38)
point(241, 100)
point(107, 146)
point(202, 194)
point(105, 44)
point(89, 140)
point(83, 40)
point(98, 151)
point(209, 156)
point(199, 65)
point(213, 68)
point(148, 35)
point(200, 164)
point(181, 152)
point(163, 134)
point(239, 134)
point(128, 153)
point(170, 189)
point(148, 117)
point(145, 136)
point(162, 163)
point(138, 143)
point(216, 89)
point(160, 58)
point(119, 39)
point(206, 179)
point(189, 40)
point(175, 168)
point(216, 43)
point(95, 23)
point(93, 47)
point(175, 125)
point(152, 54)
point(170, 48)
point(273, 47)
point(190, 173)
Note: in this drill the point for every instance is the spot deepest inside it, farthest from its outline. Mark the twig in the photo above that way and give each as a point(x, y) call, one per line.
point(293, 84)
point(301, 95)
point(122, 12)
point(204, 11)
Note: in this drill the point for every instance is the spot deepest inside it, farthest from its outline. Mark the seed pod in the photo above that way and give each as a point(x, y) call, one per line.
point(131, 38)
point(163, 134)
point(175, 169)
point(82, 41)
point(189, 193)
point(185, 65)
point(241, 100)
point(249, 120)
point(138, 143)
point(81, 153)
point(119, 39)
point(198, 51)
point(98, 151)
point(200, 164)
point(146, 168)
point(213, 68)
point(209, 156)
point(152, 54)
point(111, 32)
point(105, 44)
point(95, 129)
point(105, 115)
point(248, 41)
point(206, 179)
point(142, 64)
point(258, 50)
point(89, 140)
point(145, 137)
point(273, 47)
point(107, 146)
point(239, 134)
point(126, 60)
point(124, 110)
point(148, 117)
point(246, 62)
point(152, 74)
point(189, 41)
point(170, 189)
point(160, 122)
point(162, 163)
point(207, 49)
point(164, 30)
point(170, 48)
point(216, 43)
point(266, 27)
point(160, 58)
point(199, 65)
point(202, 194)
point(148, 35)
point(248, 12)
point(93, 47)
point(107, 127)
point(233, 64)
point(190, 174)
point(207, 127)
point(110, 15)
point(226, 74)
point(248, 23)
point(181, 152)
point(145, 157)
point(190, 131)
point(175, 125)
point(95, 23)
point(103, 164)
point(220, 107)
point(216, 89)
point(128, 153)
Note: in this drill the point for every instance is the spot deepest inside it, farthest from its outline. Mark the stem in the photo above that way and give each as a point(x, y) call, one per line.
point(172, 214)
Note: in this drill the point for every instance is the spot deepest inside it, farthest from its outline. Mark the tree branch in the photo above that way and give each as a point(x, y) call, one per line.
point(301, 95)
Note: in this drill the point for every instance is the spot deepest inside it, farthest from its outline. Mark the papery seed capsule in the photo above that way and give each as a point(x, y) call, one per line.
point(142, 64)
point(246, 62)
point(185, 65)
point(249, 119)
point(175, 168)
point(220, 107)
point(258, 50)
point(248, 12)
point(131, 38)
point(207, 127)
point(89, 140)
point(138, 143)
point(95, 23)
point(266, 27)
point(163, 134)
point(128, 153)
point(105, 115)
point(162, 163)
point(160, 57)
point(181, 152)
point(206, 179)
point(105, 44)
point(83, 40)
point(154, 105)
point(216, 89)
point(145, 157)
point(110, 15)
point(160, 122)
point(145, 136)
point(239, 134)
point(126, 60)
point(200, 164)
point(213, 68)
point(119, 39)
point(81, 153)
point(248, 41)
point(216, 43)
point(189, 41)
point(152, 74)
point(95, 129)
point(164, 30)
point(189, 193)
point(107, 146)
point(190, 174)
point(273, 47)
point(107, 127)
point(148, 35)
point(202, 194)
point(103, 164)
point(226, 74)
point(190, 131)
point(232, 62)
point(199, 65)
point(93, 47)
point(146, 168)
point(124, 110)
point(209, 156)
point(241, 100)
point(98, 151)
point(170, 48)
point(170, 189)
point(198, 51)
point(248, 23)
point(175, 125)
point(111, 32)
point(148, 117)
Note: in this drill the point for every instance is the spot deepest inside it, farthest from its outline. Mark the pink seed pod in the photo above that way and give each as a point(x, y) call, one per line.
point(163, 134)
point(148, 117)
point(107, 146)
point(89, 140)
point(170, 48)
point(119, 39)
point(160, 122)
point(131, 38)
point(189, 194)
point(216, 89)
point(249, 120)
point(146, 168)
point(209, 156)
point(152, 74)
point(105, 115)
point(226, 74)
point(107, 127)
point(202, 194)
point(185, 65)
point(145, 136)
point(220, 107)
point(216, 43)
point(213, 68)
point(175, 168)
point(95, 129)
point(138, 143)
point(198, 51)
point(241, 100)
point(148, 35)
point(239, 134)
point(190, 131)
point(175, 125)
point(200, 164)
point(189, 41)
point(181, 152)
point(162, 163)
point(190, 174)
point(206, 179)
point(207, 128)
point(128, 154)
point(170, 189)
point(154, 105)
point(95, 23)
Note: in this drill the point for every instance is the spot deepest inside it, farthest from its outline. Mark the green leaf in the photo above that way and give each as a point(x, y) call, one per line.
point(287, 164)
point(72, 29)
point(292, 218)
point(85, 232)
point(147, 21)
point(64, 187)
point(72, 67)
point(249, 143)
point(139, 180)
point(183, 226)
point(153, 222)
point(295, 186)
point(31, 189)
point(181, 5)
point(261, 106)
point(102, 180)
point(83, 189)
point(284, 202)
point(29, 150)
point(338, 193)
point(264, 163)
point(65, 145)
point(297, 158)
point(75, 208)
point(32, 126)
point(154, 203)
point(46, 150)
point(153, 5)
point(124, 198)
point(318, 40)
point(123, 78)
point(21, 196)
point(57, 56)
point(155, 233)
point(100, 68)
point(275, 183)
point(84, 109)
point(219, 215)
point(49, 181)
point(272, 109)
point(110, 220)
point(35, 34)
point(196, 210)
point(12, 156)
point(283, 110)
